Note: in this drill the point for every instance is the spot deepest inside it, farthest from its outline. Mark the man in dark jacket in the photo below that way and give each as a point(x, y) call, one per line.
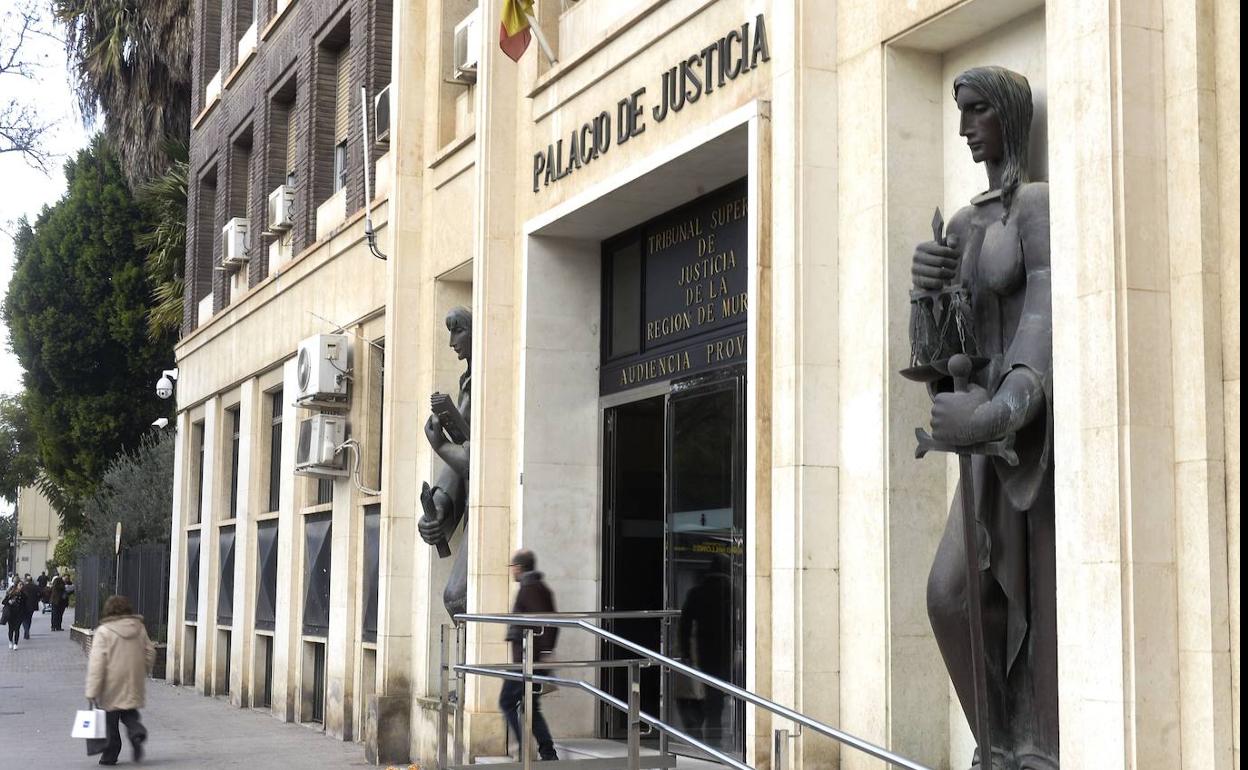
point(33, 595)
point(533, 597)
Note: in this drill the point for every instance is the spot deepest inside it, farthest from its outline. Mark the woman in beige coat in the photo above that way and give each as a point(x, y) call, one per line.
point(121, 657)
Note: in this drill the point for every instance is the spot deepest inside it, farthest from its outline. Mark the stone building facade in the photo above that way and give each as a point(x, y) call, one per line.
point(544, 196)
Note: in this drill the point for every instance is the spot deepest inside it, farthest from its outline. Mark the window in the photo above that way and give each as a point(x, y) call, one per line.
point(275, 451)
point(192, 578)
point(317, 552)
point(197, 494)
point(235, 421)
point(206, 229)
point(266, 572)
point(372, 569)
point(211, 56)
point(342, 101)
point(225, 582)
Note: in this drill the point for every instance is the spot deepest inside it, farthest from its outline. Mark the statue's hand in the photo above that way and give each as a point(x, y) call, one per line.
point(435, 504)
point(935, 264)
point(967, 417)
point(433, 431)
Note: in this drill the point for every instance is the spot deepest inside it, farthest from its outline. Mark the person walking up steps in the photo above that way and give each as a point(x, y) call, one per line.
point(14, 612)
point(534, 596)
point(121, 657)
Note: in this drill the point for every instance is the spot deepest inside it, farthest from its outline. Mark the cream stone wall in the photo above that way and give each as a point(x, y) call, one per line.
point(39, 526)
point(848, 136)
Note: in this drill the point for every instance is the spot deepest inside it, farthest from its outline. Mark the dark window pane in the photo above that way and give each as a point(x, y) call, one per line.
point(626, 300)
point(197, 499)
point(317, 551)
point(324, 491)
point(235, 426)
point(192, 575)
point(225, 583)
point(372, 568)
point(266, 574)
point(275, 453)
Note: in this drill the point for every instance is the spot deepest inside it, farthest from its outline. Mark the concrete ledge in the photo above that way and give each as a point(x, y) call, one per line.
point(386, 737)
point(83, 637)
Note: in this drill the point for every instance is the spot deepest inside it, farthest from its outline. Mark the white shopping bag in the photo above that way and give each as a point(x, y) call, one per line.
point(89, 723)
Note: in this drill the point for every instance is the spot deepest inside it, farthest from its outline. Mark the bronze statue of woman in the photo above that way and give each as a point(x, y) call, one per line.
point(445, 503)
point(997, 254)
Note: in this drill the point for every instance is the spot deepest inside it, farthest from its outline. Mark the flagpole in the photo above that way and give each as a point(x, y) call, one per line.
point(541, 39)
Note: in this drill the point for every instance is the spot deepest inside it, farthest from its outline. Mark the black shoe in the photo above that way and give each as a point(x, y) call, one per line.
point(137, 745)
point(551, 757)
point(108, 761)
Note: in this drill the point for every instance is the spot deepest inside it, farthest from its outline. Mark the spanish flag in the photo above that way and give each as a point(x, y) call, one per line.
point(513, 33)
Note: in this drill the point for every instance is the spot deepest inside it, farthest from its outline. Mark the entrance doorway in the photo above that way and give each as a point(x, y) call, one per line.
point(674, 524)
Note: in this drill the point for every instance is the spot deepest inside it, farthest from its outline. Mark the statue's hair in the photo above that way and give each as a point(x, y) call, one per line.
point(459, 318)
point(1009, 93)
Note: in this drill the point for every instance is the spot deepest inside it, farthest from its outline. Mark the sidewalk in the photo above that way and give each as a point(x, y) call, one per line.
point(41, 686)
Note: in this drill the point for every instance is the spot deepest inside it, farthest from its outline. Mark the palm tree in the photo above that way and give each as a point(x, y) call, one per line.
point(132, 62)
point(164, 198)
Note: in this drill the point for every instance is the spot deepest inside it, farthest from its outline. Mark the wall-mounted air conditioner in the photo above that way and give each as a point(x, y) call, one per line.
point(381, 115)
point(281, 208)
point(319, 437)
point(212, 91)
point(467, 47)
point(234, 242)
point(322, 371)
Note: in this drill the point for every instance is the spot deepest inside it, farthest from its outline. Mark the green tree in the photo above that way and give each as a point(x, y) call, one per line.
point(19, 453)
point(76, 309)
point(136, 490)
point(131, 60)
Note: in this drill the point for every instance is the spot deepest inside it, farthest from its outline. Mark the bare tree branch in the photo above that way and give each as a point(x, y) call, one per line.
point(22, 128)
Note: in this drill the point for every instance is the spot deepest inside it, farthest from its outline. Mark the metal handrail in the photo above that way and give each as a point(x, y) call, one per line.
point(560, 621)
point(610, 700)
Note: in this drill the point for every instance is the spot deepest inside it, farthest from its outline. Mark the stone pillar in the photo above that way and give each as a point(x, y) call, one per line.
point(175, 648)
point(249, 409)
point(286, 652)
point(402, 611)
point(493, 480)
point(1141, 531)
point(1195, 295)
point(206, 630)
point(798, 523)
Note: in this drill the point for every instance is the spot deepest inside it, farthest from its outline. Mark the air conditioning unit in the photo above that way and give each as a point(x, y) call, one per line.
point(212, 91)
point(381, 115)
point(319, 438)
point(281, 208)
point(467, 47)
point(321, 371)
point(235, 242)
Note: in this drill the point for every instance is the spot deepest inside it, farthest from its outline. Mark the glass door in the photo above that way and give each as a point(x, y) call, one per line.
point(633, 551)
point(705, 523)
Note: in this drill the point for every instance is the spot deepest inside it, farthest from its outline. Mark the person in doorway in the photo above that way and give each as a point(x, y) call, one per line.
point(33, 594)
point(59, 601)
point(534, 596)
point(14, 610)
point(121, 657)
point(705, 633)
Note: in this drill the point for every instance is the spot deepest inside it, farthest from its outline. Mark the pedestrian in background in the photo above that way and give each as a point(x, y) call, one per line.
point(59, 600)
point(31, 589)
point(121, 657)
point(14, 612)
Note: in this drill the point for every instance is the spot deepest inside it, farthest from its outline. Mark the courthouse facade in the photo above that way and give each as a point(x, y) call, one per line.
point(686, 245)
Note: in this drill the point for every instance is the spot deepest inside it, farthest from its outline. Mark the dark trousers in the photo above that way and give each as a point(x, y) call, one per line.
point(15, 631)
point(509, 702)
point(58, 612)
point(26, 623)
point(134, 728)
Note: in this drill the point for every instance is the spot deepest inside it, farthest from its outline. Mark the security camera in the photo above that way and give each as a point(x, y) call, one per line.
point(164, 386)
point(160, 422)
